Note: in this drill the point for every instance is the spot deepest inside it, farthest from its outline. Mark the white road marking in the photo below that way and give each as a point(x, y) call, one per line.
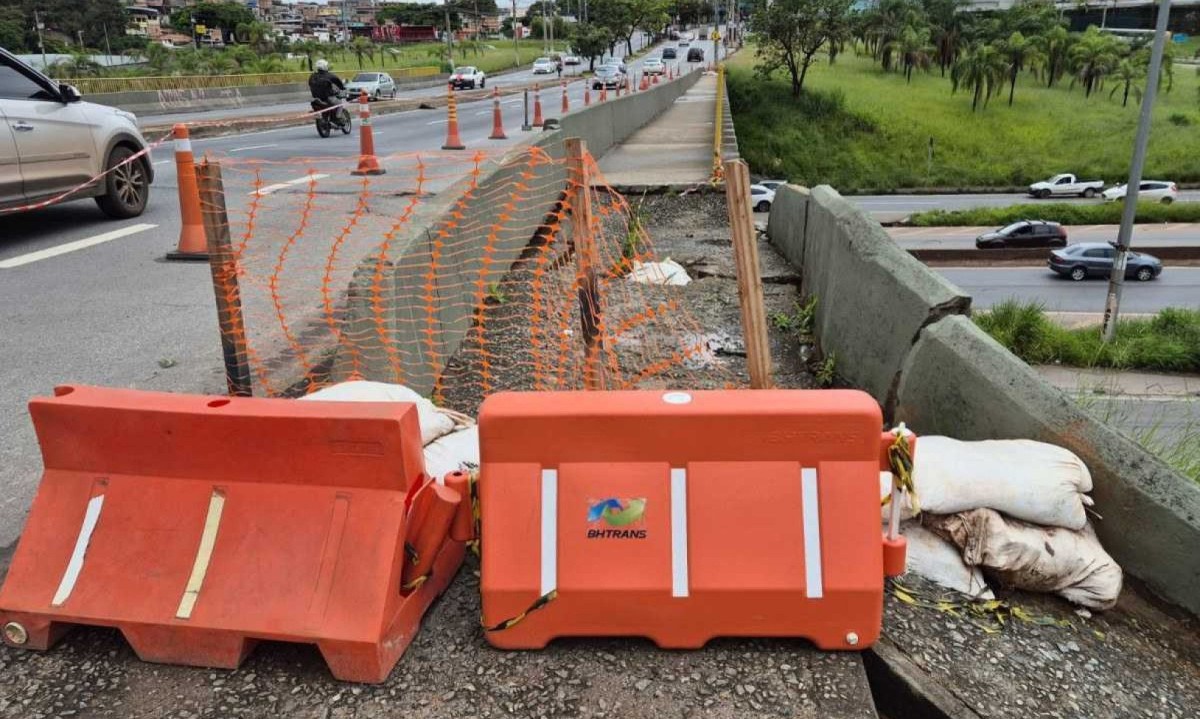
point(254, 147)
point(284, 185)
point(161, 162)
point(73, 246)
point(438, 122)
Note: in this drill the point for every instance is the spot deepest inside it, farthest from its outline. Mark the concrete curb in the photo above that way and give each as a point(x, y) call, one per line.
point(901, 332)
point(907, 690)
point(1040, 255)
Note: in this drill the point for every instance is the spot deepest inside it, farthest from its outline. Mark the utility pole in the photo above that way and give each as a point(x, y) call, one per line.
point(545, 31)
point(449, 37)
point(37, 21)
point(107, 47)
point(1116, 280)
point(345, 26)
point(515, 29)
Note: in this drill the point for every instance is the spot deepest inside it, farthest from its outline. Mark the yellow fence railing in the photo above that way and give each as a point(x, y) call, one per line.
point(94, 85)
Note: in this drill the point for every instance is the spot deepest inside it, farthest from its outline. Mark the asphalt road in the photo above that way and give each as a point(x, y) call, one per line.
point(518, 76)
point(1176, 287)
point(88, 300)
point(907, 204)
point(1176, 234)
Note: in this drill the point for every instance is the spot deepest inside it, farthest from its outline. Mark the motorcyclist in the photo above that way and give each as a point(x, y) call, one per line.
point(324, 85)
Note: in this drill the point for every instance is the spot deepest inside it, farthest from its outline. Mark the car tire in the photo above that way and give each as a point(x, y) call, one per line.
point(1144, 274)
point(375, 97)
point(1078, 274)
point(1089, 193)
point(1042, 194)
point(763, 206)
point(126, 188)
point(483, 83)
point(1167, 200)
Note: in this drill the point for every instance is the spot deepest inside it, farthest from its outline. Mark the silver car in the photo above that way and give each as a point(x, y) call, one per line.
point(376, 84)
point(52, 143)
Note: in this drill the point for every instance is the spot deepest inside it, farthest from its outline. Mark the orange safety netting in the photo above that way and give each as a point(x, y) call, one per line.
point(457, 274)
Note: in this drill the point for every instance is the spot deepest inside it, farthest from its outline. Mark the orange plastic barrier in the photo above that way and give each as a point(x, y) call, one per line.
point(683, 516)
point(198, 525)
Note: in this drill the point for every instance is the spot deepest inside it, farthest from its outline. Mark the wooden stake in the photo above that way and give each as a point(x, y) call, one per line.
point(223, 265)
point(745, 255)
point(587, 260)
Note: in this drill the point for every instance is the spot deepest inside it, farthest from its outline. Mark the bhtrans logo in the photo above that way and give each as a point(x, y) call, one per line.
point(616, 518)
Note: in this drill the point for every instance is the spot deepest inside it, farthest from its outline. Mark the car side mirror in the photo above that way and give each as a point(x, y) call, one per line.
point(69, 93)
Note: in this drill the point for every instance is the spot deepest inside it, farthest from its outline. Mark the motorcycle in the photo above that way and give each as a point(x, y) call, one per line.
point(332, 116)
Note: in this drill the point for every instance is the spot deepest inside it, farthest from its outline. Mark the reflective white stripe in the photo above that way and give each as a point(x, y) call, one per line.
point(184, 145)
point(549, 531)
point(75, 564)
point(813, 586)
point(679, 533)
point(208, 539)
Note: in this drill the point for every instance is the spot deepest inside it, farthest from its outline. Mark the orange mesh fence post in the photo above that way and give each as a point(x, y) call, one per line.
point(368, 164)
point(192, 243)
point(586, 260)
point(453, 141)
point(497, 118)
point(537, 106)
point(225, 281)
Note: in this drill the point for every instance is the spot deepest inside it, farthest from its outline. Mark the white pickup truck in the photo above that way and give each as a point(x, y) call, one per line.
point(1066, 185)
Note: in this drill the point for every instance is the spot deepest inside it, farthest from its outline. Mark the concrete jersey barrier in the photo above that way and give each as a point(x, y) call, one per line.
point(902, 332)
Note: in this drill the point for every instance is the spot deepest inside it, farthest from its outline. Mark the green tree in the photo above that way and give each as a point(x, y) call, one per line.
point(79, 64)
point(70, 17)
point(1018, 51)
point(1127, 73)
point(159, 58)
point(791, 33)
point(946, 25)
point(12, 28)
point(982, 70)
point(361, 46)
point(590, 41)
point(1093, 57)
point(227, 16)
point(308, 48)
point(1056, 47)
point(257, 34)
point(914, 50)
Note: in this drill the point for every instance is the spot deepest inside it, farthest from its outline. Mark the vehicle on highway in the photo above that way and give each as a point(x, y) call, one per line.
point(772, 185)
point(695, 55)
point(1164, 192)
point(333, 116)
point(614, 62)
point(1095, 259)
point(544, 66)
point(572, 60)
point(669, 53)
point(467, 78)
point(54, 142)
point(1024, 233)
point(653, 66)
point(376, 84)
point(761, 198)
point(684, 43)
point(1066, 184)
point(609, 76)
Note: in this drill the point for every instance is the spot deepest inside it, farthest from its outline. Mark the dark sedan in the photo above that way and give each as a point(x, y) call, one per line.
point(1025, 233)
point(1095, 259)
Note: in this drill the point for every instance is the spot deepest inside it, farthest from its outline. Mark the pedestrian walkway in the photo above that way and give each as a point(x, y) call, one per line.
point(676, 148)
point(1120, 382)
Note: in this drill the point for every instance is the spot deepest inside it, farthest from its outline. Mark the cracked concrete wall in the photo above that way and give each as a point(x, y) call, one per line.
point(902, 333)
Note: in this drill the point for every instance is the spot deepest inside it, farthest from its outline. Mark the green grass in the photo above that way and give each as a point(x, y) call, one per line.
point(1168, 342)
point(1108, 213)
point(859, 128)
point(1181, 451)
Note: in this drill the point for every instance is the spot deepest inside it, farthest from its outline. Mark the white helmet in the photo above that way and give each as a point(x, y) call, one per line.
point(322, 65)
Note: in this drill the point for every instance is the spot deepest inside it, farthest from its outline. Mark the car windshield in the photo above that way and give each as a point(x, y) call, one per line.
point(365, 77)
point(466, 71)
point(542, 61)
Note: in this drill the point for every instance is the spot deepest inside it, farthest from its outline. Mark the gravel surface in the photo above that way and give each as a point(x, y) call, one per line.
point(449, 670)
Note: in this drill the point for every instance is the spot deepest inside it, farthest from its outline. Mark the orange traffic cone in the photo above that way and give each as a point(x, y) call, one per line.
point(453, 142)
point(193, 245)
point(368, 164)
point(497, 120)
point(537, 106)
point(603, 93)
point(654, 80)
point(566, 106)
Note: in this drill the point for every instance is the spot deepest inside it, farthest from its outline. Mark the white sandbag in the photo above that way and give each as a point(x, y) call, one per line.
point(1033, 481)
point(452, 452)
point(940, 561)
point(1042, 559)
point(434, 423)
point(667, 272)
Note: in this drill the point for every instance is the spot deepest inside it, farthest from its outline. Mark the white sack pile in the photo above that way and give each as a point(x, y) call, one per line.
point(451, 440)
point(667, 272)
point(975, 495)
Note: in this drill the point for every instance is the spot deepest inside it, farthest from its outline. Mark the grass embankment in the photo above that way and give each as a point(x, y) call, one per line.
point(1168, 342)
point(1108, 213)
point(858, 128)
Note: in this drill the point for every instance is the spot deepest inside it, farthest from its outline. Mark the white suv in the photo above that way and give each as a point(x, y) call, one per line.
point(51, 143)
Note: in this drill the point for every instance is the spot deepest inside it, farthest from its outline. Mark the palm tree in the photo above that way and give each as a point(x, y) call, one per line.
point(946, 22)
point(913, 48)
point(1093, 57)
point(267, 65)
point(362, 46)
point(1017, 51)
point(1127, 73)
point(308, 48)
point(80, 64)
point(159, 58)
point(982, 70)
point(1056, 45)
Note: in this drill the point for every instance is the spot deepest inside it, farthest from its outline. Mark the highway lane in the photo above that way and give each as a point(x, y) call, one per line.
point(1176, 234)
point(112, 313)
point(346, 71)
point(902, 205)
point(1176, 287)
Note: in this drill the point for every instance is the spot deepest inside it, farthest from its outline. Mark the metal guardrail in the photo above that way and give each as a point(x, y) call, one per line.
point(94, 85)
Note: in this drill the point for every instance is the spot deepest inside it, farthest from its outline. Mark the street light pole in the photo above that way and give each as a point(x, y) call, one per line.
point(1116, 280)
